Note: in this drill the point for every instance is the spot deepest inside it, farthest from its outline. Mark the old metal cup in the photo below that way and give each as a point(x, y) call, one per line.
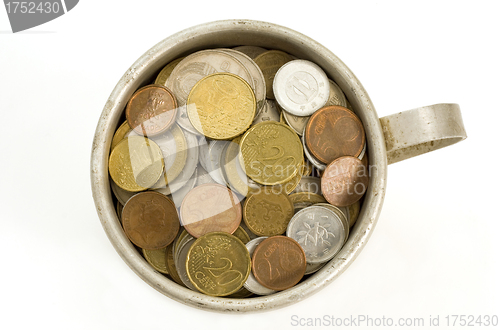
point(390, 139)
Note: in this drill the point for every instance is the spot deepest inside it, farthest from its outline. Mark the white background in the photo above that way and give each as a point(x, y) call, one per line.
point(433, 252)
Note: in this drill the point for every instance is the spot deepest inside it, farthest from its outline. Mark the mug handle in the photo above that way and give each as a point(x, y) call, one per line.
point(414, 132)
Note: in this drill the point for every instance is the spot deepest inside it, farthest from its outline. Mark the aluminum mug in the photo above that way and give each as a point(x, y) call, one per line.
point(389, 140)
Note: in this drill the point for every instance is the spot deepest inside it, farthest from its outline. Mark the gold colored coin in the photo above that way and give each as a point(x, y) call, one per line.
point(178, 240)
point(248, 231)
point(119, 209)
point(235, 175)
point(221, 106)
point(136, 163)
point(270, 62)
point(162, 77)
point(268, 212)
point(174, 149)
point(218, 264)
point(291, 184)
point(242, 235)
point(271, 153)
point(353, 210)
point(301, 200)
point(157, 258)
point(120, 134)
point(282, 119)
point(295, 122)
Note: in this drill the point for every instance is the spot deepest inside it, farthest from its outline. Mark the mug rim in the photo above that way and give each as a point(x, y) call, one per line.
point(182, 43)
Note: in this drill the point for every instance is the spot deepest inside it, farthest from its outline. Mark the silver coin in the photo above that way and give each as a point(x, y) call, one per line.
point(121, 194)
point(319, 231)
point(355, 215)
point(309, 184)
point(259, 83)
point(298, 124)
point(316, 163)
point(342, 213)
point(203, 177)
point(180, 263)
point(269, 112)
point(188, 170)
point(301, 87)
point(251, 51)
point(313, 268)
point(336, 96)
point(240, 184)
point(251, 283)
point(179, 195)
point(215, 150)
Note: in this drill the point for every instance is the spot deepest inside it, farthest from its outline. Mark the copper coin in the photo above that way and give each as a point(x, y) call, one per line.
point(150, 220)
point(151, 110)
point(344, 181)
point(209, 208)
point(278, 263)
point(333, 132)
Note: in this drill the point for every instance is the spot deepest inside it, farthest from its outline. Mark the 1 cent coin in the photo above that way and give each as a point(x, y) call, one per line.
point(278, 263)
point(333, 132)
point(344, 181)
point(210, 208)
point(150, 220)
point(151, 110)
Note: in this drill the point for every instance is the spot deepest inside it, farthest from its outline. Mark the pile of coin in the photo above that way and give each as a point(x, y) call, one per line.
point(240, 171)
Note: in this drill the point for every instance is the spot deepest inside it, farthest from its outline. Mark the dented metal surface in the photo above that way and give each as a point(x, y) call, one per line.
point(418, 131)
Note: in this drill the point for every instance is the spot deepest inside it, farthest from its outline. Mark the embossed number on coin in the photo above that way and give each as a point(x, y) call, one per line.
point(218, 264)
